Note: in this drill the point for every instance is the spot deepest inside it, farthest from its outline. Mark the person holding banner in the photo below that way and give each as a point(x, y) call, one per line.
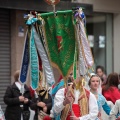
point(41, 102)
point(75, 102)
point(17, 103)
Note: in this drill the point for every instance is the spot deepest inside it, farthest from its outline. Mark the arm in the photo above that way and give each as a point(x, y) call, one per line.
point(115, 110)
point(106, 108)
point(27, 95)
point(49, 103)
point(33, 104)
point(9, 99)
point(49, 106)
point(93, 109)
point(58, 101)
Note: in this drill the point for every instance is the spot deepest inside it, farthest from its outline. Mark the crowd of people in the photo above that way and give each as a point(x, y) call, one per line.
point(70, 102)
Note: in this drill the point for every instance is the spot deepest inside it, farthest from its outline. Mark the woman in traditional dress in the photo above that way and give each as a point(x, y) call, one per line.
point(95, 84)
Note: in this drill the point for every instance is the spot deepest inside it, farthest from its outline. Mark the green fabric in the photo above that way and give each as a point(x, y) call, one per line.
point(60, 34)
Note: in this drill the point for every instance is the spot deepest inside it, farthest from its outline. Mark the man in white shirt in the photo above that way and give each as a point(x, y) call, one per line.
point(75, 103)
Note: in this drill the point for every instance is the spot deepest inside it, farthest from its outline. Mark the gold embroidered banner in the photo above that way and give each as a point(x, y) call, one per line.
point(60, 39)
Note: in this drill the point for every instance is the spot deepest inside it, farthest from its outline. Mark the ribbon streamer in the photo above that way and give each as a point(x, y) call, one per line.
point(25, 61)
point(85, 44)
point(82, 63)
point(83, 37)
point(75, 65)
point(82, 66)
point(34, 69)
point(45, 61)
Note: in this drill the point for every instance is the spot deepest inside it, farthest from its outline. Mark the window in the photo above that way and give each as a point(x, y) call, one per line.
point(99, 31)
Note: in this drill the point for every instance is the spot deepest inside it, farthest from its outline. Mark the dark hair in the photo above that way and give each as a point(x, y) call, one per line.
point(100, 67)
point(89, 83)
point(112, 80)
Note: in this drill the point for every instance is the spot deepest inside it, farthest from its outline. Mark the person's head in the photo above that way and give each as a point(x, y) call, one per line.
point(76, 81)
point(112, 80)
point(94, 82)
point(119, 82)
point(119, 78)
point(16, 75)
point(100, 71)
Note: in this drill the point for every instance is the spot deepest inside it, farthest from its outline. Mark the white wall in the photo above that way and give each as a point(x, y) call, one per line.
point(116, 45)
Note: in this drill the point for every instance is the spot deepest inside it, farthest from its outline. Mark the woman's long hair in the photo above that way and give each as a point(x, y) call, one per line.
point(112, 81)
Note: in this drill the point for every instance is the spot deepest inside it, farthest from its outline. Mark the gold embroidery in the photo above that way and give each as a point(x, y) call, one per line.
point(65, 112)
point(83, 103)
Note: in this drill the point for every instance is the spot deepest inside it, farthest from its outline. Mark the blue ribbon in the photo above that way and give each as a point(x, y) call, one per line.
point(25, 62)
point(30, 21)
point(57, 87)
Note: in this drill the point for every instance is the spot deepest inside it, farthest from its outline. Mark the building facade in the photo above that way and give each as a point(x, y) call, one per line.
point(103, 26)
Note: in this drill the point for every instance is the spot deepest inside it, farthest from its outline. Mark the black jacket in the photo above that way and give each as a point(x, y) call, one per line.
point(11, 98)
point(41, 98)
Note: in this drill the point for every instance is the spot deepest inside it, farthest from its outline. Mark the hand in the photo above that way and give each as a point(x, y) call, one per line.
point(67, 100)
point(45, 109)
point(99, 115)
point(26, 100)
point(81, 97)
point(74, 118)
point(21, 98)
point(41, 104)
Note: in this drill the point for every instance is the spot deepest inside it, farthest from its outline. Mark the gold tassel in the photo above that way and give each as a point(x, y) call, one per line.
point(89, 75)
point(92, 69)
point(83, 81)
point(46, 96)
point(42, 93)
point(83, 102)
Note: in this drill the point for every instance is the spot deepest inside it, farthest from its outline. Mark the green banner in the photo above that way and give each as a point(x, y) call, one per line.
point(60, 39)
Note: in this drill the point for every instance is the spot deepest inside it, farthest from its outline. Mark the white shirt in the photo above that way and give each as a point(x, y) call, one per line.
point(77, 94)
point(93, 107)
point(18, 85)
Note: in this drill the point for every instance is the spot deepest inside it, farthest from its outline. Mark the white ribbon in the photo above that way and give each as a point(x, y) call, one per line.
point(45, 61)
point(85, 44)
point(82, 63)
